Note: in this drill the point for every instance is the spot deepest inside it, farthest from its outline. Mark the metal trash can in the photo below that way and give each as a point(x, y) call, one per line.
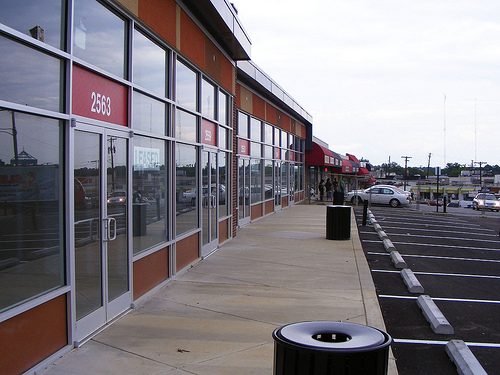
point(330, 348)
point(338, 222)
point(139, 213)
point(338, 197)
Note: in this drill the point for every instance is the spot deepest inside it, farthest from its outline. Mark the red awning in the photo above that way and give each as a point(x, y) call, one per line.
point(363, 171)
point(321, 156)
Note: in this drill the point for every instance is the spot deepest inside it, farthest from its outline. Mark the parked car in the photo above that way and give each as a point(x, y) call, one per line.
point(380, 195)
point(117, 198)
point(485, 201)
point(436, 202)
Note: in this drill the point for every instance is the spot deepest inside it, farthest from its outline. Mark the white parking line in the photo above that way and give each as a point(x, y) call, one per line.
point(493, 232)
point(442, 274)
point(443, 258)
point(437, 245)
point(436, 237)
point(436, 342)
point(443, 299)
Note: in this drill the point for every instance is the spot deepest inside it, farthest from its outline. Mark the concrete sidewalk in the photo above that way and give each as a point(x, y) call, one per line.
point(218, 316)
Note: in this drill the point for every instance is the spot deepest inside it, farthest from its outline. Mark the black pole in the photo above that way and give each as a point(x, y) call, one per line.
point(365, 211)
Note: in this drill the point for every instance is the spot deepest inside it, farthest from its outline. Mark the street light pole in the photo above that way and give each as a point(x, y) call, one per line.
point(406, 169)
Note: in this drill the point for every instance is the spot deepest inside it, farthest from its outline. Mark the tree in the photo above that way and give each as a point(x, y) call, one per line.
point(453, 169)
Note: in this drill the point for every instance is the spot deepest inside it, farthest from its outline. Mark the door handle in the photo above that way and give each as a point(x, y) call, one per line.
point(110, 234)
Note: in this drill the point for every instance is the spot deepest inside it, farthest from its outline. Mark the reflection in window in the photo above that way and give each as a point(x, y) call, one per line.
point(99, 37)
point(42, 20)
point(149, 64)
point(149, 182)
point(268, 134)
point(255, 181)
point(223, 185)
point(185, 188)
point(242, 125)
point(185, 87)
point(31, 213)
point(208, 99)
point(148, 114)
point(30, 77)
point(268, 179)
point(185, 126)
point(255, 129)
point(223, 105)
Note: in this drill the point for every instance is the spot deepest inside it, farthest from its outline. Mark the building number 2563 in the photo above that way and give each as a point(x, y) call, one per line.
point(101, 104)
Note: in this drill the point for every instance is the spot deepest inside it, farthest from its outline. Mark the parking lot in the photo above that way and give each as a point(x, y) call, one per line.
point(456, 258)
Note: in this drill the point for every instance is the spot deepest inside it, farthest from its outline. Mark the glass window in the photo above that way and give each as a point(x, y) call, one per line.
point(255, 129)
point(186, 92)
point(30, 77)
point(255, 149)
point(148, 114)
point(149, 195)
point(185, 189)
point(149, 64)
point(242, 125)
point(277, 136)
point(223, 137)
point(284, 139)
point(223, 105)
point(224, 198)
point(32, 221)
point(208, 99)
point(255, 181)
point(42, 20)
point(268, 152)
point(99, 37)
point(268, 134)
point(268, 179)
point(185, 126)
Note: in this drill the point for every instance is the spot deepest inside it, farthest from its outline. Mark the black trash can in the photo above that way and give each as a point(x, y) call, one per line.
point(139, 213)
point(338, 197)
point(338, 222)
point(330, 348)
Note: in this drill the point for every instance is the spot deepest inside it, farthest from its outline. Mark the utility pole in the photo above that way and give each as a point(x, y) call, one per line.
point(429, 166)
point(406, 169)
point(480, 174)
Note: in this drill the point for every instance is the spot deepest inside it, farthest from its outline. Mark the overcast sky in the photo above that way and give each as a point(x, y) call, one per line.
point(387, 78)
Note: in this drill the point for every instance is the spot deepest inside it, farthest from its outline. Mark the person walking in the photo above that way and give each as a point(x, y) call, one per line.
point(321, 189)
point(328, 188)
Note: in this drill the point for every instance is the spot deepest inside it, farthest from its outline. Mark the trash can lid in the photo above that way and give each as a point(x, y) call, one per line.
point(332, 336)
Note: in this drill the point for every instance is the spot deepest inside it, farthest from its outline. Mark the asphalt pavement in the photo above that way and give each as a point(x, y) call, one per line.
point(456, 258)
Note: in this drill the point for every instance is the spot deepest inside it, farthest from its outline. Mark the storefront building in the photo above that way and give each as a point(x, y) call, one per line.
point(123, 158)
point(272, 132)
point(323, 163)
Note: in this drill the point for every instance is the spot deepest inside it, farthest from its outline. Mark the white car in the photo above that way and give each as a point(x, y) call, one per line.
point(380, 195)
point(484, 201)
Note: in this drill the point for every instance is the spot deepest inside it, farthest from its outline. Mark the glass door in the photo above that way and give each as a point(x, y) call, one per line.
point(209, 202)
point(243, 191)
point(101, 198)
point(277, 186)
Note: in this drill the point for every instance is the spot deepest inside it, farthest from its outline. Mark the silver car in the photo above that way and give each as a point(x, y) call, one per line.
point(486, 201)
point(380, 195)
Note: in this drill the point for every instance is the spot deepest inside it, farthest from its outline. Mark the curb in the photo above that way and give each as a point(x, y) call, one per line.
point(462, 357)
point(434, 316)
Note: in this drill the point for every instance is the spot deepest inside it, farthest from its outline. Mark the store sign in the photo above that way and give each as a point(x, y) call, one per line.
point(277, 153)
point(146, 159)
point(208, 133)
point(243, 147)
point(99, 98)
